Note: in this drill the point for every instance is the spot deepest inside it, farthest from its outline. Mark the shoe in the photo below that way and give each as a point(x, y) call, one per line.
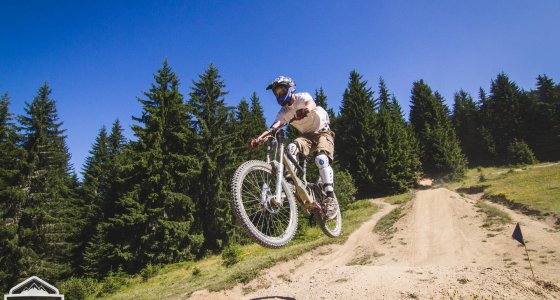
point(331, 208)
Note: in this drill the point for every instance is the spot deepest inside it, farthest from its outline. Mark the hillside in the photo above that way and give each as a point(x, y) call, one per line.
point(445, 245)
point(441, 243)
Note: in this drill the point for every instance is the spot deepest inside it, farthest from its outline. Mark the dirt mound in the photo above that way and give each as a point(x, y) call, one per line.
point(440, 249)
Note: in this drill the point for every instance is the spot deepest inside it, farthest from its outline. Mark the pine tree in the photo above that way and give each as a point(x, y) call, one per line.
point(466, 121)
point(99, 255)
point(250, 123)
point(93, 191)
point(117, 144)
point(213, 123)
point(11, 197)
point(441, 154)
point(11, 157)
point(398, 162)
point(356, 140)
point(321, 100)
point(487, 150)
point(47, 225)
point(153, 221)
point(541, 121)
point(258, 124)
point(501, 115)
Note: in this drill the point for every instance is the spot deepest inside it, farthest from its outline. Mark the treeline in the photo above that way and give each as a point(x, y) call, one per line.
point(163, 197)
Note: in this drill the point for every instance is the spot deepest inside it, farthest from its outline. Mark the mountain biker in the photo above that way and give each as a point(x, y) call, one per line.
point(312, 122)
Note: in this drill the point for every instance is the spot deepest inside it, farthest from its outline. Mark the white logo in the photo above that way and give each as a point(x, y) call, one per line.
point(34, 287)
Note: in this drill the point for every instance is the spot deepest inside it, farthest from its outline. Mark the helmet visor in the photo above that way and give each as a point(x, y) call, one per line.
point(280, 91)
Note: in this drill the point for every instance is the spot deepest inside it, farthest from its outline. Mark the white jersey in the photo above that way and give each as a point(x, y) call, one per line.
point(316, 120)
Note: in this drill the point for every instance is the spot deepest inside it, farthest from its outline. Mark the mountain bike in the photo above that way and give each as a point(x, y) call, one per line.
point(265, 194)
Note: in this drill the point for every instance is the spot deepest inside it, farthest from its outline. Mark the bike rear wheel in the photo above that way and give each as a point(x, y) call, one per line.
point(266, 221)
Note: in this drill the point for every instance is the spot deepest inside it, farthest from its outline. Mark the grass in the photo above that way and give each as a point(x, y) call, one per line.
point(535, 187)
point(176, 281)
point(400, 198)
point(385, 225)
point(494, 216)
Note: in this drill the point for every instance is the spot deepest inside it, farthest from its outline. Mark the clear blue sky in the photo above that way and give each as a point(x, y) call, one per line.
point(98, 56)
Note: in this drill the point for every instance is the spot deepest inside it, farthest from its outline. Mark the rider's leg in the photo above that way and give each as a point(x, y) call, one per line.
point(325, 148)
point(301, 145)
point(293, 150)
point(326, 172)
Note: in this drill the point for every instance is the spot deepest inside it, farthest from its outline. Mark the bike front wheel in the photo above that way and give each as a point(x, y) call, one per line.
point(269, 221)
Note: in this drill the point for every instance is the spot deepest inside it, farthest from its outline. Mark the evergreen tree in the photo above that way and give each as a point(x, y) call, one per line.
point(153, 222)
point(487, 150)
point(93, 191)
point(47, 225)
point(10, 159)
point(213, 123)
point(116, 146)
point(501, 115)
point(541, 110)
point(11, 197)
point(321, 100)
point(398, 161)
point(98, 255)
point(243, 123)
point(441, 154)
point(257, 114)
point(356, 136)
point(466, 121)
point(250, 124)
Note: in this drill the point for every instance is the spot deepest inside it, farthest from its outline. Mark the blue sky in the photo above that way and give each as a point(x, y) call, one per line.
point(98, 56)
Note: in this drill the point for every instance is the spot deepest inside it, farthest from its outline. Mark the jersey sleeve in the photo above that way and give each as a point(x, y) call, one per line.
point(305, 97)
point(281, 116)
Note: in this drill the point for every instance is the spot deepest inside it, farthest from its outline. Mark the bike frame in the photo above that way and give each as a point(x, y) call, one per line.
point(281, 159)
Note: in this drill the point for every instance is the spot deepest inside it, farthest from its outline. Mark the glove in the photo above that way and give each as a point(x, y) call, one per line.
point(301, 113)
point(254, 143)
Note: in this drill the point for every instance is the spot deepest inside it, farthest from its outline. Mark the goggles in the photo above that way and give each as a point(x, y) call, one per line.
point(280, 91)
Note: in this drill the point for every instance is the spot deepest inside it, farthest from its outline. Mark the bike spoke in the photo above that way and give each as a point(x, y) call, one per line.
point(251, 179)
point(246, 192)
point(278, 225)
point(270, 221)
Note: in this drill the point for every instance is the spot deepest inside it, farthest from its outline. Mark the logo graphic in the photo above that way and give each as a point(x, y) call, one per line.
point(34, 288)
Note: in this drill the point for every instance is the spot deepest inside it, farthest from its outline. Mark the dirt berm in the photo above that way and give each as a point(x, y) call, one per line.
point(440, 250)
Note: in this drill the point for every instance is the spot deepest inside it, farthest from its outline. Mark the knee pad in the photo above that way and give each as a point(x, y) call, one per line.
point(322, 161)
point(293, 149)
point(325, 171)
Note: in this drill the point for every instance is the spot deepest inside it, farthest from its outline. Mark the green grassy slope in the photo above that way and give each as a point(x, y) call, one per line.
point(181, 279)
point(535, 188)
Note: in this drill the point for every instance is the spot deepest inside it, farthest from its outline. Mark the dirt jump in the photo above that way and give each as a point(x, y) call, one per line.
point(441, 248)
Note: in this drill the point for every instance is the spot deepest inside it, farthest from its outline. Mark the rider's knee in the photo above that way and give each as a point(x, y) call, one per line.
point(322, 160)
point(293, 149)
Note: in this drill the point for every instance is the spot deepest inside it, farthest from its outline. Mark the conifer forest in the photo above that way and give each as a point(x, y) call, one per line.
point(164, 195)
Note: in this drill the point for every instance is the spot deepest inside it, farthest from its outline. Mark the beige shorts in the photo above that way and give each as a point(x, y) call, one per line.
point(320, 141)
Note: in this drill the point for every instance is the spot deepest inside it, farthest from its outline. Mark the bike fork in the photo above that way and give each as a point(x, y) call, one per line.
point(279, 177)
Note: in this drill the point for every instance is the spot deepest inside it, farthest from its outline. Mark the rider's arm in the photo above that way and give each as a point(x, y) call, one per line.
point(310, 104)
point(267, 132)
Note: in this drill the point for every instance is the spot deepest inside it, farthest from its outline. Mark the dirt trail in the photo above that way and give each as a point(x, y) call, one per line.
point(440, 250)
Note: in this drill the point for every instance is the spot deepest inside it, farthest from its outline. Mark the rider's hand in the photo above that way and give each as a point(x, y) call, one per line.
point(253, 144)
point(301, 113)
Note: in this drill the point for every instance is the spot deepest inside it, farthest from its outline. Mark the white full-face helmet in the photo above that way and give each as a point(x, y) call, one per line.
point(283, 88)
